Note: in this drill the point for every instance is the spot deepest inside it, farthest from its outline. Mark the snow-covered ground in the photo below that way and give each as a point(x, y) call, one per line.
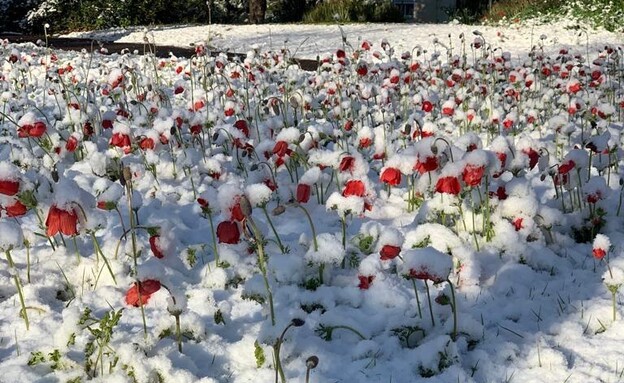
point(465, 202)
point(310, 41)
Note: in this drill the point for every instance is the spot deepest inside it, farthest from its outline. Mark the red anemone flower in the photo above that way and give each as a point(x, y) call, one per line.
point(281, 148)
point(242, 126)
point(427, 106)
point(154, 242)
point(147, 143)
point(391, 176)
point(9, 187)
point(354, 188)
point(389, 252)
point(599, 253)
point(120, 140)
point(17, 209)
point(346, 164)
point(236, 211)
point(365, 143)
point(227, 232)
point(472, 174)
point(448, 185)
point(141, 292)
point(424, 274)
point(365, 281)
point(37, 129)
point(60, 220)
point(430, 164)
point(303, 193)
point(566, 167)
point(71, 144)
point(106, 205)
point(348, 125)
point(533, 156)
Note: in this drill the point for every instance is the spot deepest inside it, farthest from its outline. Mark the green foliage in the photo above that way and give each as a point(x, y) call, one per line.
point(97, 349)
point(97, 14)
point(288, 11)
point(259, 354)
point(36, 357)
point(597, 13)
point(348, 11)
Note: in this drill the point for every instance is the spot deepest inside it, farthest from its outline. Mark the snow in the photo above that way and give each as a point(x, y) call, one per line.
point(312, 41)
point(11, 236)
point(533, 302)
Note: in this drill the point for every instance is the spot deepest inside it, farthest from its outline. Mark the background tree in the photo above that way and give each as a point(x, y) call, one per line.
point(257, 11)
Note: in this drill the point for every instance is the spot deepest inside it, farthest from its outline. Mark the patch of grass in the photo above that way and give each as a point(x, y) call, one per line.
point(605, 14)
point(350, 11)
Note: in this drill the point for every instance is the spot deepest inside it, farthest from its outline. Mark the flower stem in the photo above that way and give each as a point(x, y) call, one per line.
point(454, 308)
point(277, 237)
point(27, 244)
point(76, 248)
point(430, 305)
point(178, 332)
point(263, 266)
point(99, 251)
point(356, 332)
point(311, 225)
point(214, 240)
point(417, 298)
point(18, 286)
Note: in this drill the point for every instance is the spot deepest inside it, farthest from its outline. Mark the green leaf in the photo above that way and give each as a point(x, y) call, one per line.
point(36, 357)
point(259, 354)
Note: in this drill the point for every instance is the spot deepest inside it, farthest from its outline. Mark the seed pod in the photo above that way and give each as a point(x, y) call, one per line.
point(127, 174)
point(294, 102)
point(55, 175)
point(297, 322)
point(278, 210)
point(312, 362)
point(245, 206)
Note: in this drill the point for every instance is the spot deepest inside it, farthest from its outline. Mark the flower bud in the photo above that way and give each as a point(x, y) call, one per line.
point(245, 206)
point(297, 322)
point(127, 174)
point(278, 210)
point(312, 362)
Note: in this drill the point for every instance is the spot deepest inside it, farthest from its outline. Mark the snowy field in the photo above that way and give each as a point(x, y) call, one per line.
point(312, 41)
point(436, 203)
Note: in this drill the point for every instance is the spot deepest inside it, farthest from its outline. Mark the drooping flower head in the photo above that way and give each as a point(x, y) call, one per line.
point(427, 264)
point(140, 292)
point(601, 246)
point(61, 220)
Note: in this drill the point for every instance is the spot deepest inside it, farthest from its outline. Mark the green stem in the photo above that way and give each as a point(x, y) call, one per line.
point(417, 298)
point(356, 332)
point(214, 240)
point(178, 333)
point(613, 293)
point(99, 251)
point(454, 307)
point(263, 267)
point(430, 305)
point(27, 244)
point(76, 248)
point(311, 225)
point(277, 237)
point(18, 286)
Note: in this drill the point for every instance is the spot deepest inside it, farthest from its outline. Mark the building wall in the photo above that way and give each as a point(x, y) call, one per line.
point(427, 11)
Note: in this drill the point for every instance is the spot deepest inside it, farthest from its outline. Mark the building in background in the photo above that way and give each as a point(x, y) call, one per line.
point(426, 11)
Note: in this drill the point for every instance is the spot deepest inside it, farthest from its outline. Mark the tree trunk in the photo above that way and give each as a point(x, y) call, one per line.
point(257, 10)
